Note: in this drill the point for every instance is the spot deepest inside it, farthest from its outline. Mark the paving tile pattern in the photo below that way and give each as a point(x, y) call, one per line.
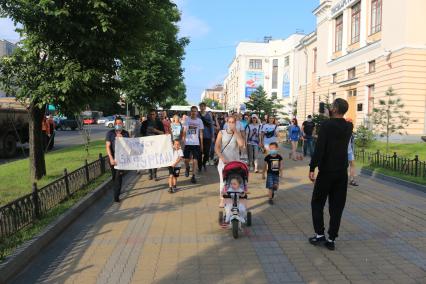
point(156, 237)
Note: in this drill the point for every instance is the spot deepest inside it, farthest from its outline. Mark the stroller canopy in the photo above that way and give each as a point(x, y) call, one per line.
point(236, 168)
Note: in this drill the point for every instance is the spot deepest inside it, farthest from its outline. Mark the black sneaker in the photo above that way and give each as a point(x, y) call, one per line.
point(170, 190)
point(316, 240)
point(187, 172)
point(150, 177)
point(193, 180)
point(329, 244)
point(271, 201)
point(174, 189)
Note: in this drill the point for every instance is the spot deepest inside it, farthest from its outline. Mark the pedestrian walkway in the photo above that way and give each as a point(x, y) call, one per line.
point(156, 237)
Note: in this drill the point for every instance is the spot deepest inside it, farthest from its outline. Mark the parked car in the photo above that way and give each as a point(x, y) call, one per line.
point(102, 120)
point(63, 123)
point(88, 121)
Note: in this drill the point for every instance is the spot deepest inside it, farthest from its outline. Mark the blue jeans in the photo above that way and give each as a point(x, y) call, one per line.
point(308, 145)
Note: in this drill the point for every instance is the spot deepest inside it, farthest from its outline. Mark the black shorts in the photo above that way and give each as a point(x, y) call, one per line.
point(174, 171)
point(195, 150)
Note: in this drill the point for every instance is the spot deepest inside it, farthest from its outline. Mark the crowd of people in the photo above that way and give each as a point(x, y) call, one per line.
point(203, 138)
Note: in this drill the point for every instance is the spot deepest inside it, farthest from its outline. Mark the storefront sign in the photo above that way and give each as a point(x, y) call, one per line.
point(143, 153)
point(340, 6)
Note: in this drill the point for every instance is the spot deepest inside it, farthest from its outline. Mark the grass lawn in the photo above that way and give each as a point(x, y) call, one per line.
point(388, 172)
point(401, 149)
point(8, 245)
point(14, 176)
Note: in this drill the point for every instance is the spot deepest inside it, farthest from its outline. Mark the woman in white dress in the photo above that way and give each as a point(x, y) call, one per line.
point(227, 148)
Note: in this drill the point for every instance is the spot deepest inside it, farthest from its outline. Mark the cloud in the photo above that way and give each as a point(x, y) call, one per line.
point(190, 25)
point(7, 30)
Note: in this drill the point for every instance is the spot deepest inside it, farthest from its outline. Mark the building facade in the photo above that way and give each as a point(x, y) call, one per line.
point(360, 49)
point(6, 49)
point(215, 93)
point(269, 64)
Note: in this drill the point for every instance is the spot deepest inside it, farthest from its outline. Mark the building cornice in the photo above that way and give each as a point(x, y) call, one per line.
point(321, 7)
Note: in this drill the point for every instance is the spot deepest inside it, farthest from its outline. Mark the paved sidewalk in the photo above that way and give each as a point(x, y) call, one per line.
point(156, 237)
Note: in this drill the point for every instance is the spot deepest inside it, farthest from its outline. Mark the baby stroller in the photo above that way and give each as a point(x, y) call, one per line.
point(235, 214)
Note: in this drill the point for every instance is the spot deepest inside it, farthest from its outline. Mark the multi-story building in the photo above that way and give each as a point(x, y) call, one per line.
point(6, 49)
point(361, 48)
point(269, 64)
point(215, 93)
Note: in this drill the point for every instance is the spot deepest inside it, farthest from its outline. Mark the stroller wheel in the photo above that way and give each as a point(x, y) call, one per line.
point(220, 219)
point(235, 228)
point(248, 219)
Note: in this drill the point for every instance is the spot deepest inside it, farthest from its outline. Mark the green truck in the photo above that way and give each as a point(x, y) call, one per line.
point(13, 126)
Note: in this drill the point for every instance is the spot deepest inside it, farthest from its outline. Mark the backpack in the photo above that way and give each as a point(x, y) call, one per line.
point(271, 134)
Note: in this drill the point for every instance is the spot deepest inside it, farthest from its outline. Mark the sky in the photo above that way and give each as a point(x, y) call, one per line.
point(215, 27)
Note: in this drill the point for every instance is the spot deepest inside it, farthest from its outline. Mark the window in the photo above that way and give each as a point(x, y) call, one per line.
point(315, 59)
point(355, 22)
point(351, 73)
point(338, 37)
point(370, 98)
point(286, 61)
point(359, 107)
point(255, 64)
point(352, 93)
point(372, 66)
point(275, 74)
point(376, 16)
point(334, 78)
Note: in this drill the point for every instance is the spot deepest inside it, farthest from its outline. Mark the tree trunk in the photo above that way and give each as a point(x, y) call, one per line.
point(37, 162)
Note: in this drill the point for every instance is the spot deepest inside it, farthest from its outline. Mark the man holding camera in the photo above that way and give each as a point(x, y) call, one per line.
point(331, 158)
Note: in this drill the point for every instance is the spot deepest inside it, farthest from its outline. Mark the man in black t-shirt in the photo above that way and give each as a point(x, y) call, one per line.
point(152, 126)
point(308, 128)
point(117, 176)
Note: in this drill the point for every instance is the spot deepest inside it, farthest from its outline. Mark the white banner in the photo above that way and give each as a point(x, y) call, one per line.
point(143, 153)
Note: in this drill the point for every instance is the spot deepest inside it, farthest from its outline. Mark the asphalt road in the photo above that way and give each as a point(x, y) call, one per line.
point(65, 139)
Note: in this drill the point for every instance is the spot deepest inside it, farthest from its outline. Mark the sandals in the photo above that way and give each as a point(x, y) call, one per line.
point(353, 183)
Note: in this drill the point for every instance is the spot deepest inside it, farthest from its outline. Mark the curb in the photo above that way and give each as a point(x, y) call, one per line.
point(391, 179)
point(14, 263)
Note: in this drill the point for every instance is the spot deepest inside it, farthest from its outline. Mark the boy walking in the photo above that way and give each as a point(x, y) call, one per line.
point(274, 168)
point(174, 168)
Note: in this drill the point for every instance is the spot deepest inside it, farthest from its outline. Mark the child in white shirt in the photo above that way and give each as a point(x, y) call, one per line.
point(175, 166)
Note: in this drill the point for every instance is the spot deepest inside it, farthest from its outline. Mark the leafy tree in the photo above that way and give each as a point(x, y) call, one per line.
point(364, 136)
point(260, 103)
point(71, 51)
point(153, 75)
point(389, 117)
point(213, 104)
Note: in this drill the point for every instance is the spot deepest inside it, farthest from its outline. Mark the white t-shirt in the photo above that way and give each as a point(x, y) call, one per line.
point(269, 128)
point(192, 130)
point(176, 155)
point(239, 126)
point(253, 134)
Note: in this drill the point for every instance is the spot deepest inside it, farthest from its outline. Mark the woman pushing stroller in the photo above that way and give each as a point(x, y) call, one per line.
point(227, 148)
